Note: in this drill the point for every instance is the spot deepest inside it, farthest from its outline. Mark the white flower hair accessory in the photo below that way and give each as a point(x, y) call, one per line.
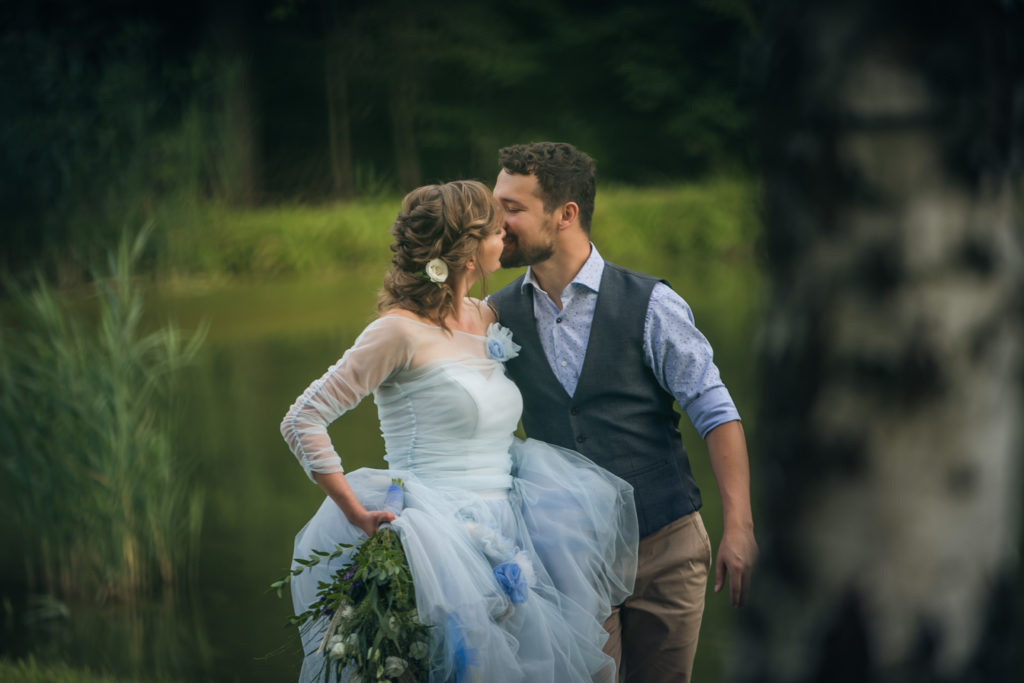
point(500, 346)
point(437, 271)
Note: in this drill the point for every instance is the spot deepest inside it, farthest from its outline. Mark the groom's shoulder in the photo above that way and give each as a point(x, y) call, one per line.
point(510, 290)
point(507, 302)
point(635, 275)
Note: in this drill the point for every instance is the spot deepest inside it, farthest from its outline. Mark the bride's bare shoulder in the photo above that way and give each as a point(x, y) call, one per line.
point(487, 314)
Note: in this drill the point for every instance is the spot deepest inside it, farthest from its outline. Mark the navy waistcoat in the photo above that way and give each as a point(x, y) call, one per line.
point(619, 416)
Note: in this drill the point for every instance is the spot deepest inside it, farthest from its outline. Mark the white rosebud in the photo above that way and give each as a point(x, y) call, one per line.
point(335, 639)
point(418, 650)
point(392, 623)
point(352, 640)
point(437, 270)
point(394, 667)
point(347, 611)
point(338, 650)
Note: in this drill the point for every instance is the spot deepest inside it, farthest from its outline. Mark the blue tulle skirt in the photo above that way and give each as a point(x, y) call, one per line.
point(569, 528)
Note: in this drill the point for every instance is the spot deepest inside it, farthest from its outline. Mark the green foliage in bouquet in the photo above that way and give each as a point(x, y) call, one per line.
point(371, 603)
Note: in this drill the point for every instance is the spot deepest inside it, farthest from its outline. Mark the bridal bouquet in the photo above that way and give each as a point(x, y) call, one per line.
point(374, 633)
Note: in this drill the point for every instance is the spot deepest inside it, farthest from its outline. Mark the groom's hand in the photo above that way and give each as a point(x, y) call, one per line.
point(737, 555)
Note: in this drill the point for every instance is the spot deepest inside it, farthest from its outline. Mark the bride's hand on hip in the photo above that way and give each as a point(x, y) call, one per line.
point(369, 520)
point(337, 487)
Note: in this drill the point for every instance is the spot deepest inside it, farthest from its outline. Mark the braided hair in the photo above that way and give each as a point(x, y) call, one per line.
point(445, 222)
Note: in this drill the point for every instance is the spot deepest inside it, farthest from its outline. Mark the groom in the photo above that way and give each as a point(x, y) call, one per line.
point(606, 351)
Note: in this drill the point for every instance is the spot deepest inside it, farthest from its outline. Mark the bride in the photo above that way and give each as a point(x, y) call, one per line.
point(475, 495)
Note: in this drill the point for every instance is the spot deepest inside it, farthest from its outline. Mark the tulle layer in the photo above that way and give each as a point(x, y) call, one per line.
point(568, 527)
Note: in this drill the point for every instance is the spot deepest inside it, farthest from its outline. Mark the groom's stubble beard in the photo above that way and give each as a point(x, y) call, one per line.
point(516, 255)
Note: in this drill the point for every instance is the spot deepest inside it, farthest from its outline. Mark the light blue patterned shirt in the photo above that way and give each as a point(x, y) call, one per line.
point(674, 349)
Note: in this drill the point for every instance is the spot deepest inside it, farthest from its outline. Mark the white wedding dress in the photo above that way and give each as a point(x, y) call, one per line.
point(475, 497)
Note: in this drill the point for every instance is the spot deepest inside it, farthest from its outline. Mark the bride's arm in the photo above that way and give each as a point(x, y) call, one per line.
point(336, 486)
point(379, 351)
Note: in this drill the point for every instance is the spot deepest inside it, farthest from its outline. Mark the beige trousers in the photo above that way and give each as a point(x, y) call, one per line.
point(653, 634)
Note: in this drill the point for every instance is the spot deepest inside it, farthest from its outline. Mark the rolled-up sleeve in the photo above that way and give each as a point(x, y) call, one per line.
point(683, 362)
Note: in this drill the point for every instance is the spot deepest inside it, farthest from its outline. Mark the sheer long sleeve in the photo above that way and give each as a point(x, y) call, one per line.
point(377, 353)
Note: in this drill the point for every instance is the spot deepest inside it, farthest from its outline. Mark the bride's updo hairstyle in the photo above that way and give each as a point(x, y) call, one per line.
point(445, 222)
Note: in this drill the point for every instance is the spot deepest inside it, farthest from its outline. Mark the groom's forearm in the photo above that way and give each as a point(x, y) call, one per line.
point(727, 450)
point(737, 552)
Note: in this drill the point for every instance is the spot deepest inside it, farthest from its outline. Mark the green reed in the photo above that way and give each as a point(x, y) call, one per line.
point(105, 504)
point(31, 670)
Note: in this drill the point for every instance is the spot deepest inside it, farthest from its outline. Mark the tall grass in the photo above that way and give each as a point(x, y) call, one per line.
point(106, 505)
point(32, 671)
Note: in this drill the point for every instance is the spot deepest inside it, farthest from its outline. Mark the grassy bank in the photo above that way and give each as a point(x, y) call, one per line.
point(660, 226)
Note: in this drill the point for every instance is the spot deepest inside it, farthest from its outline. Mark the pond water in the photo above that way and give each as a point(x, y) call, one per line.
point(266, 343)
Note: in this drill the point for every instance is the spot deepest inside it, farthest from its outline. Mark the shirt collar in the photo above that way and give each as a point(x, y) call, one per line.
point(589, 275)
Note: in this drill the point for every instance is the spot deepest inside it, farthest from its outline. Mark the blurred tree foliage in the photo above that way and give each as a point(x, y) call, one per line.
point(113, 107)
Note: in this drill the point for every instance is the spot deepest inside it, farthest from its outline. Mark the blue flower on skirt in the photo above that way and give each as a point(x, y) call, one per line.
point(463, 657)
point(512, 579)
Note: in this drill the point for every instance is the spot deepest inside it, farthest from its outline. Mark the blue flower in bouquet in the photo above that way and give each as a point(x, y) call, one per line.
point(500, 346)
point(513, 581)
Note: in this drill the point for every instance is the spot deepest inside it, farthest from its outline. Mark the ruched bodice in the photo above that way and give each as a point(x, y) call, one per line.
point(444, 402)
point(451, 422)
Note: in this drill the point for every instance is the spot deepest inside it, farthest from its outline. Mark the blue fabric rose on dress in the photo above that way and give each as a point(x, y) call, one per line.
point(500, 346)
point(462, 656)
point(513, 581)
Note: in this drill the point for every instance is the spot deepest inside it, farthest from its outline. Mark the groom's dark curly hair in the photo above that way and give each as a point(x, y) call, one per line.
point(564, 174)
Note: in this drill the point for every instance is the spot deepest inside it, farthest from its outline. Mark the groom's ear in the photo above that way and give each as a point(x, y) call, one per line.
point(568, 214)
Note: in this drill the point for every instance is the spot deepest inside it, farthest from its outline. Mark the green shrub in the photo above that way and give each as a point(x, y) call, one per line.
point(285, 240)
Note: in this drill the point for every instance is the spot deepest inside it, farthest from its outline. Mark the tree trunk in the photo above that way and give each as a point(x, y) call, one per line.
point(405, 49)
point(239, 174)
point(338, 118)
point(888, 468)
point(236, 164)
point(407, 161)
